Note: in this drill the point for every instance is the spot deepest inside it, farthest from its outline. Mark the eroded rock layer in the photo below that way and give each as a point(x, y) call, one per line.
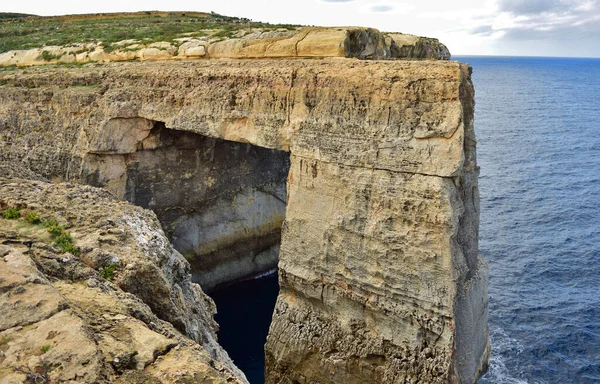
point(252, 43)
point(63, 321)
point(379, 271)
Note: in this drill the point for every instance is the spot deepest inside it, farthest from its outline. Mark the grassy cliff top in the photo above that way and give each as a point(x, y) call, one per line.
point(8, 15)
point(19, 31)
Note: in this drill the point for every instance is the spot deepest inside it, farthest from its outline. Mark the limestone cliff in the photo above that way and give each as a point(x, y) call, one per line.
point(253, 43)
point(381, 281)
point(63, 322)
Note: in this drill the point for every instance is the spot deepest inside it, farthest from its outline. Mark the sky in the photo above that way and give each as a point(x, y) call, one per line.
point(467, 27)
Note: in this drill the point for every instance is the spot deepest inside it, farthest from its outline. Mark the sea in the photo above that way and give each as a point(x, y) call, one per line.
point(537, 122)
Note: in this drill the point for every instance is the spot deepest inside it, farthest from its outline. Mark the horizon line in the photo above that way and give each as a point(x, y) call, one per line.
point(522, 56)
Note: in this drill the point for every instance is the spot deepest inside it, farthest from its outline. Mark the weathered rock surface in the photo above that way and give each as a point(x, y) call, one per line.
point(400, 116)
point(305, 42)
point(380, 276)
point(65, 323)
point(227, 213)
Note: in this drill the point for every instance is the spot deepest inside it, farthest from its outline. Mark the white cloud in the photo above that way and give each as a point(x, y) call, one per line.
point(388, 7)
point(518, 17)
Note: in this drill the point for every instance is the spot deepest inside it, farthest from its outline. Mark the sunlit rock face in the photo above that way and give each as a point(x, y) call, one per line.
point(253, 43)
point(381, 281)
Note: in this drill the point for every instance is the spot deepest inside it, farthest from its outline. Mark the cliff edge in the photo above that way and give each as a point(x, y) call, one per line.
point(167, 36)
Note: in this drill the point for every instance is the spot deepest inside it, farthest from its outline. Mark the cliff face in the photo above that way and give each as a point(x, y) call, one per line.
point(379, 271)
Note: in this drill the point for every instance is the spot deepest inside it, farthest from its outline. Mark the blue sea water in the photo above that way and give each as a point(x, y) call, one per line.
point(244, 315)
point(538, 128)
point(537, 122)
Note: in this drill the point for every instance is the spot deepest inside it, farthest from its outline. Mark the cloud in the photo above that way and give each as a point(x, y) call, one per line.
point(382, 8)
point(539, 20)
point(482, 30)
point(336, 1)
point(388, 7)
point(529, 6)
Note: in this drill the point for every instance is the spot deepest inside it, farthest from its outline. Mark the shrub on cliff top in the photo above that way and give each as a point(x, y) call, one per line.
point(61, 238)
point(108, 272)
point(32, 217)
point(11, 213)
point(47, 56)
point(49, 223)
point(65, 243)
point(54, 229)
point(70, 248)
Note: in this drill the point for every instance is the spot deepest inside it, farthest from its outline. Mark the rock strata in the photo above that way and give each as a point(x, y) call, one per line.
point(381, 281)
point(302, 42)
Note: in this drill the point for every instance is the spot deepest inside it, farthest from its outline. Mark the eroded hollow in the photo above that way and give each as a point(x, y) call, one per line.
point(221, 204)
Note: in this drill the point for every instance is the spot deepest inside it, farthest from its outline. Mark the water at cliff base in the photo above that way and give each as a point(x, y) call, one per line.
point(538, 144)
point(244, 315)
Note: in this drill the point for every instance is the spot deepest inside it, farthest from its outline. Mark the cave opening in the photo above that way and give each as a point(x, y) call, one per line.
point(222, 205)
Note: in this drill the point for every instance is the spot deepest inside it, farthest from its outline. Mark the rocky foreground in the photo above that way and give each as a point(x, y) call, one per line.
point(122, 311)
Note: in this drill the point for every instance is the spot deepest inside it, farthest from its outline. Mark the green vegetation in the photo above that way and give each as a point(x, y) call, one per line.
point(108, 272)
point(7, 68)
point(58, 234)
point(11, 213)
point(65, 243)
point(45, 348)
point(61, 238)
point(4, 340)
point(49, 223)
point(54, 229)
point(32, 217)
point(146, 27)
point(5, 15)
point(47, 56)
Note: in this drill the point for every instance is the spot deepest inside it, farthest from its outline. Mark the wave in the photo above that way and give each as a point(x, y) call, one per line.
point(498, 372)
